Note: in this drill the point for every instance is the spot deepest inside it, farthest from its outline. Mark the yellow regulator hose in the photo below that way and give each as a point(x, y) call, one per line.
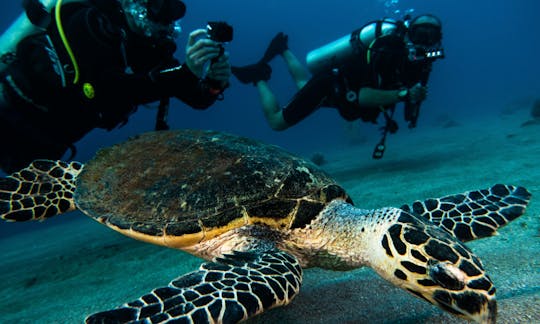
point(65, 41)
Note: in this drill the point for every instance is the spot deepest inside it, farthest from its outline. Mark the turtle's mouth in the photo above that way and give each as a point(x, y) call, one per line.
point(470, 305)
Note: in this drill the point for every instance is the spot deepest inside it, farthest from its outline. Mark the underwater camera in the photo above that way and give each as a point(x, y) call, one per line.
point(418, 53)
point(219, 31)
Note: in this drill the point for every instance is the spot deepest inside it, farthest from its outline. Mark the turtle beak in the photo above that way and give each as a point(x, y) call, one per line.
point(469, 294)
point(491, 314)
point(471, 306)
point(447, 287)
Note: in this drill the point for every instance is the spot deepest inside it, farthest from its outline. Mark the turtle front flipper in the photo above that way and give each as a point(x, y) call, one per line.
point(474, 214)
point(41, 190)
point(233, 288)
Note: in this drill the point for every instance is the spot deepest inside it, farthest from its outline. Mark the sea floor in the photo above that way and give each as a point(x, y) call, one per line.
point(64, 271)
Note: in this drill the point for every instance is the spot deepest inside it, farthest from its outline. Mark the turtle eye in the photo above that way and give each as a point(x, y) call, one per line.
point(446, 275)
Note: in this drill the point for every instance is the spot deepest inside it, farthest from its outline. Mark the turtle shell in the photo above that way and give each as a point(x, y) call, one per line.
point(177, 188)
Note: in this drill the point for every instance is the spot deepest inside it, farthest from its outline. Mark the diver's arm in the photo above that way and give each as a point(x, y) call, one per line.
point(178, 81)
point(189, 88)
point(371, 97)
point(209, 64)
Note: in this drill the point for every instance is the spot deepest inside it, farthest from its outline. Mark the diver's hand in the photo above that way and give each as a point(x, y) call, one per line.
point(199, 51)
point(417, 93)
point(220, 70)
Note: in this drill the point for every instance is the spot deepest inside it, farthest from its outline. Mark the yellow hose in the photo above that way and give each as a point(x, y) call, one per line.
point(65, 41)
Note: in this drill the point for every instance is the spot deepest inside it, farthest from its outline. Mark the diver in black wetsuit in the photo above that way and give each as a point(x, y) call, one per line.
point(92, 67)
point(363, 75)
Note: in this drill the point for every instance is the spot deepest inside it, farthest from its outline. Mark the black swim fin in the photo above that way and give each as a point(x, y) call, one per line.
point(252, 73)
point(277, 46)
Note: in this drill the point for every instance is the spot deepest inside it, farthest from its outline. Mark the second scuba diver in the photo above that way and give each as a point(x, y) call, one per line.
point(363, 74)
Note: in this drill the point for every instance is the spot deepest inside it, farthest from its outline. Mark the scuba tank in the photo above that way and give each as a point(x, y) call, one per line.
point(22, 27)
point(349, 47)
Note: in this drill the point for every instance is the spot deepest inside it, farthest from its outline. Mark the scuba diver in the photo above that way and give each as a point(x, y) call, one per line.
point(363, 74)
point(89, 63)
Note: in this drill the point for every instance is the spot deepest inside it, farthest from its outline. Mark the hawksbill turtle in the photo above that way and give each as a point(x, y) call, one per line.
point(259, 215)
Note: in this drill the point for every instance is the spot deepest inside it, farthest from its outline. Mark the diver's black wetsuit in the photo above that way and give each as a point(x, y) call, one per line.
point(330, 88)
point(42, 118)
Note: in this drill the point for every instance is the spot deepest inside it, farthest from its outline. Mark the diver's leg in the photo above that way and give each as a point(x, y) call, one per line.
point(304, 102)
point(271, 109)
point(298, 71)
point(279, 46)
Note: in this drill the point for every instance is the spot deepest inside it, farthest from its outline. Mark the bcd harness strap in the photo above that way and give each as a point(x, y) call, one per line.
point(162, 115)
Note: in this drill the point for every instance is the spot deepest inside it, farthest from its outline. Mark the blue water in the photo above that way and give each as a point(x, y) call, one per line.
point(492, 51)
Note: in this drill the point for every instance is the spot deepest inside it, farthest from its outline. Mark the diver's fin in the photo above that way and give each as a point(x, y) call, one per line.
point(252, 73)
point(277, 46)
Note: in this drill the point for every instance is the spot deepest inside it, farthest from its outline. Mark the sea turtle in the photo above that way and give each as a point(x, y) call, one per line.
point(259, 215)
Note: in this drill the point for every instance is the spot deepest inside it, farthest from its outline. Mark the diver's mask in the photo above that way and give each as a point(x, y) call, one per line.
point(424, 34)
point(155, 18)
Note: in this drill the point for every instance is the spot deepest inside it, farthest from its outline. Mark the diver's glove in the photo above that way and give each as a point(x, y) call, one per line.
point(277, 46)
point(417, 93)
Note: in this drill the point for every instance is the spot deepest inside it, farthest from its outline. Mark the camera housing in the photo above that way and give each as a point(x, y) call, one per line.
point(219, 31)
point(419, 53)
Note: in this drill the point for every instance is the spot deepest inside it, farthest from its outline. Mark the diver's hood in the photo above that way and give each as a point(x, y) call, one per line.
point(155, 19)
point(425, 30)
point(165, 11)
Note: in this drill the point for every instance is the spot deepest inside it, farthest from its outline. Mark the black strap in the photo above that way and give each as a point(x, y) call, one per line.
point(412, 109)
point(378, 28)
point(338, 90)
point(390, 126)
point(162, 115)
point(37, 13)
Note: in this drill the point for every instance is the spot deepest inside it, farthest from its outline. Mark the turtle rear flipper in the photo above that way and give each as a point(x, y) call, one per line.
point(41, 190)
point(233, 288)
point(474, 214)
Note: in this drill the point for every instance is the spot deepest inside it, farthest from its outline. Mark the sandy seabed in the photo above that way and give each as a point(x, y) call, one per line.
point(65, 271)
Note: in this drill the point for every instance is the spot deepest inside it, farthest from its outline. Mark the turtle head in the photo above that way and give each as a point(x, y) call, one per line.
point(430, 263)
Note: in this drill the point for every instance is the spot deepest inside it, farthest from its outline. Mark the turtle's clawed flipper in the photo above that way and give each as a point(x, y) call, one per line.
point(474, 214)
point(41, 190)
point(233, 288)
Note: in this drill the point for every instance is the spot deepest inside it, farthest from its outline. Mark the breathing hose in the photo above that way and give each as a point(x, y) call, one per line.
point(65, 40)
